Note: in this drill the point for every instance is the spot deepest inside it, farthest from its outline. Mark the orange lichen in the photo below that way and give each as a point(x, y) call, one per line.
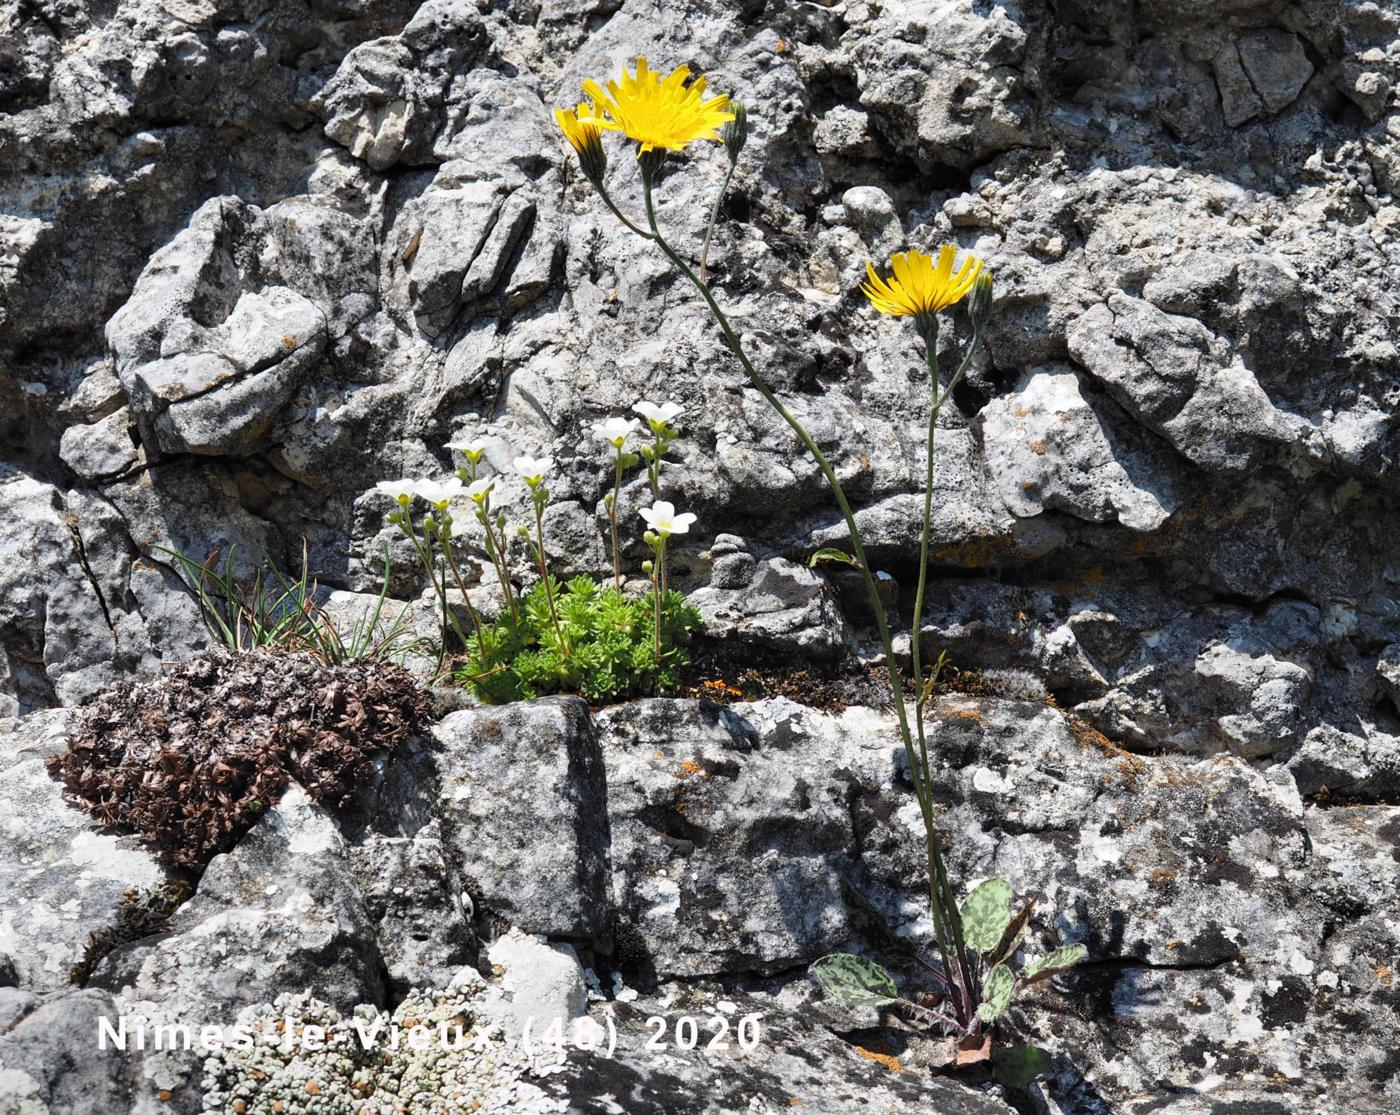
point(890, 1062)
point(689, 769)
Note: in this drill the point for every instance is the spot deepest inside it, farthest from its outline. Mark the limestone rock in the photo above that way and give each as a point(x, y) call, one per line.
point(525, 813)
point(730, 834)
point(67, 881)
point(279, 913)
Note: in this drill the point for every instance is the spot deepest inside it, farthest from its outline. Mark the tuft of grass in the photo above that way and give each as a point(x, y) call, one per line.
point(275, 611)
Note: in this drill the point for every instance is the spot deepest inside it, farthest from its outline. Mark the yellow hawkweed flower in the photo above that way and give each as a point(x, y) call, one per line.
point(918, 286)
point(659, 112)
point(582, 128)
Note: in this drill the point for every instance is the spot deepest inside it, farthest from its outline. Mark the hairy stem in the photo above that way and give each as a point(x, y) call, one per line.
point(714, 217)
point(608, 201)
point(461, 587)
point(658, 577)
point(937, 399)
point(495, 550)
point(944, 913)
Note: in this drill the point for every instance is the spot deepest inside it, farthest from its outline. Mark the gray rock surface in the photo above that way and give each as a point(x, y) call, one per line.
point(50, 1062)
point(523, 797)
point(796, 1064)
point(421, 913)
point(65, 879)
point(769, 604)
point(1233, 929)
point(1211, 900)
point(729, 839)
point(333, 258)
point(253, 259)
point(280, 912)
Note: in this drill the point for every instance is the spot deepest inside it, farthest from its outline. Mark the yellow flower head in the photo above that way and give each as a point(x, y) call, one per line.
point(657, 111)
point(583, 130)
point(918, 285)
point(579, 125)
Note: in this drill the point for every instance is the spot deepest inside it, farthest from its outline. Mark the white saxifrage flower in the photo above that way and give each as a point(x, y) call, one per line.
point(478, 490)
point(473, 449)
point(533, 470)
point(658, 414)
point(400, 491)
point(661, 517)
point(615, 431)
point(439, 492)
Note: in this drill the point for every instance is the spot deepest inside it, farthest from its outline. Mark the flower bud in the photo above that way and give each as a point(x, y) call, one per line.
point(979, 307)
point(586, 138)
point(736, 133)
point(523, 531)
point(593, 159)
point(648, 567)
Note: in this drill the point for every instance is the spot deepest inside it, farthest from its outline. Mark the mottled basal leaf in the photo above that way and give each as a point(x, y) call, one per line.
point(855, 981)
point(996, 993)
point(1053, 963)
point(1011, 937)
point(986, 914)
point(1016, 1066)
point(831, 554)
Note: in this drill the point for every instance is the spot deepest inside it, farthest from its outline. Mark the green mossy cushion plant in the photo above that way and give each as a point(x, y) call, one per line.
point(576, 637)
point(606, 650)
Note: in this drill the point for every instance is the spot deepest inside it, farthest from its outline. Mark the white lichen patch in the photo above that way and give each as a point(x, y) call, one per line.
point(105, 857)
point(432, 1056)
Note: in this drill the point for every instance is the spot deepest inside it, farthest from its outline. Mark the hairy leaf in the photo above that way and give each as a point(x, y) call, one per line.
point(1011, 937)
point(1053, 963)
point(855, 981)
point(986, 914)
point(997, 989)
point(830, 553)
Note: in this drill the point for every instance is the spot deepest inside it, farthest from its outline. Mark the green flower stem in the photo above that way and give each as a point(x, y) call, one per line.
point(714, 217)
point(612, 520)
point(544, 574)
point(496, 552)
point(945, 913)
point(938, 398)
point(658, 575)
point(608, 201)
point(461, 587)
point(659, 443)
point(425, 554)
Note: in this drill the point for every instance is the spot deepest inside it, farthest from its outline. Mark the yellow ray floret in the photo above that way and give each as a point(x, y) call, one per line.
point(918, 285)
point(657, 111)
point(579, 125)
